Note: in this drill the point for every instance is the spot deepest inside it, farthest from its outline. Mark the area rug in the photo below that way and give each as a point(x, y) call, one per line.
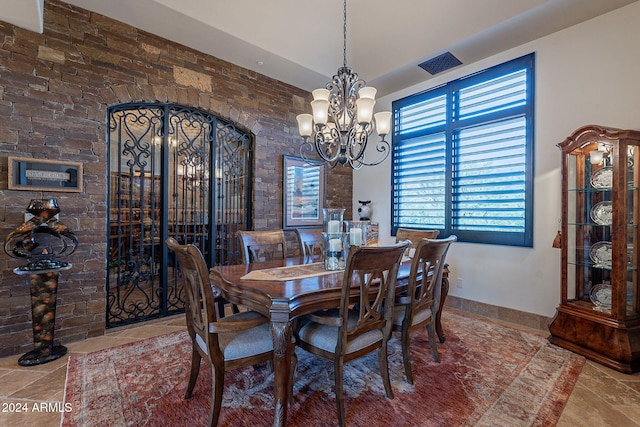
point(489, 375)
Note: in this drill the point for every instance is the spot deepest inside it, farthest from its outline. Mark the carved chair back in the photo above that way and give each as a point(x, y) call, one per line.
point(260, 246)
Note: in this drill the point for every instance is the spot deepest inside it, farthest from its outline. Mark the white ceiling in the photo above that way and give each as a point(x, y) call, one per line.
point(300, 41)
point(23, 13)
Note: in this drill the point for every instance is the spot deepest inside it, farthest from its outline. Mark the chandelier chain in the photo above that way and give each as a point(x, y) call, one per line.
point(344, 34)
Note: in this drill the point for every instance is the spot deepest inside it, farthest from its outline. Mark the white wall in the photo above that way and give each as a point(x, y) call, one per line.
point(587, 74)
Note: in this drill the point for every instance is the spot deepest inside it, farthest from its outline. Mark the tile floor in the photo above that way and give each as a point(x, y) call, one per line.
point(602, 397)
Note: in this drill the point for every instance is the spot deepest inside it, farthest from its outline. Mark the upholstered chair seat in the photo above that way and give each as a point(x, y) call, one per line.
point(325, 336)
point(244, 344)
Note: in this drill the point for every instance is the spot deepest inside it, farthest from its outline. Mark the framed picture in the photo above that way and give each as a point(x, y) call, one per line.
point(44, 175)
point(303, 192)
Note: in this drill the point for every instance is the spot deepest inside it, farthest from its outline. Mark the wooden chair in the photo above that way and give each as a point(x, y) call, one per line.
point(232, 342)
point(310, 241)
point(259, 246)
point(362, 324)
point(415, 235)
point(419, 306)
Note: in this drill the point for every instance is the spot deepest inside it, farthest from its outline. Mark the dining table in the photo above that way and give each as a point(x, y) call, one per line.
point(284, 290)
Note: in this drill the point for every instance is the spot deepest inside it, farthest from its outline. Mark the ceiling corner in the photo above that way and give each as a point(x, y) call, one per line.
point(27, 14)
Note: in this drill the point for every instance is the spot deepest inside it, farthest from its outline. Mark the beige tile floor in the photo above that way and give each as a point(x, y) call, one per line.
point(601, 398)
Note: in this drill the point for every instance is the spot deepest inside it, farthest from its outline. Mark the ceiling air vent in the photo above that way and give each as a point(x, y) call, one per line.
point(440, 63)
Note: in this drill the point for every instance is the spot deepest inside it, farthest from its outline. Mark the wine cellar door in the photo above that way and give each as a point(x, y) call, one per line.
point(173, 171)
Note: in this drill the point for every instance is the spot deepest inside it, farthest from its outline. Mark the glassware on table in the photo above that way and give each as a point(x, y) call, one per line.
point(334, 250)
point(333, 220)
point(358, 232)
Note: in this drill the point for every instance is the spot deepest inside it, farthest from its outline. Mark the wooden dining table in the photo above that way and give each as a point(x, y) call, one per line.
point(282, 301)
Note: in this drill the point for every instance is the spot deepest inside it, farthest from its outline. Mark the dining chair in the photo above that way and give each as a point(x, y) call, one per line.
point(234, 341)
point(363, 321)
point(310, 241)
point(415, 235)
point(419, 306)
point(259, 246)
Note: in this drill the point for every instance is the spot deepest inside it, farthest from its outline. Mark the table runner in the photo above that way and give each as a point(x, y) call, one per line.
point(291, 272)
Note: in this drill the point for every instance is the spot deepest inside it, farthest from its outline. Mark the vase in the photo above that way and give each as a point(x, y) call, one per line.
point(358, 232)
point(334, 250)
point(333, 220)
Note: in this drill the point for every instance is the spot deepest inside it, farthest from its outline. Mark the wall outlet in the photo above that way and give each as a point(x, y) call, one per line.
point(459, 283)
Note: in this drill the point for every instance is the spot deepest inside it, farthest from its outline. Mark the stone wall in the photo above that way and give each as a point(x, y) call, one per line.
point(54, 91)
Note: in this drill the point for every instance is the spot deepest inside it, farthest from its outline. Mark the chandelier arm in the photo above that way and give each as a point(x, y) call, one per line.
point(357, 143)
point(382, 146)
point(328, 149)
point(307, 149)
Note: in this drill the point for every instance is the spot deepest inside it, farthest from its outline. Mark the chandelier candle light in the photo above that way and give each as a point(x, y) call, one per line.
point(343, 119)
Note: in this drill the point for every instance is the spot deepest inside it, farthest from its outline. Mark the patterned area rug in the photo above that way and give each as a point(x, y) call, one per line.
point(490, 375)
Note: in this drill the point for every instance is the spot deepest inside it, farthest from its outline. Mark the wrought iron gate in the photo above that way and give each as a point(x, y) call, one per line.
point(173, 171)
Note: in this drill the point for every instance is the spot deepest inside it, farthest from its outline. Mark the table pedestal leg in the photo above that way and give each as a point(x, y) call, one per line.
point(282, 333)
point(44, 289)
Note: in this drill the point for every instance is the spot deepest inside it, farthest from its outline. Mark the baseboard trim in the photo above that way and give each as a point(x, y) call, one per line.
point(522, 318)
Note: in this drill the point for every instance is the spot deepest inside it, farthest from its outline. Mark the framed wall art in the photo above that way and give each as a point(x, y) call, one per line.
point(44, 175)
point(303, 192)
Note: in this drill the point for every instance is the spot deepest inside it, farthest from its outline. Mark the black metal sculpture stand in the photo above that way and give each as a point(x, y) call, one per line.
point(42, 240)
point(44, 289)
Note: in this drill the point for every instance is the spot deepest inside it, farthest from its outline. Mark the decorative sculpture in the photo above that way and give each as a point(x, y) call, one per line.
point(364, 211)
point(42, 240)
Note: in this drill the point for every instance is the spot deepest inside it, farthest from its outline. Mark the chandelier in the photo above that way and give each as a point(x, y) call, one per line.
point(342, 120)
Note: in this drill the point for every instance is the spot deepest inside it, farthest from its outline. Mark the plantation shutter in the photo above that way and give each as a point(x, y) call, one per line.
point(463, 157)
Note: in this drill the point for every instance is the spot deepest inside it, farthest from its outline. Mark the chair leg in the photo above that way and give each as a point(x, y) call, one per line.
point(292, 374)
point(221, 304)
point(384, 369)
point(216, 396)
point(432, 340)
point(195, 368)
point(221, 308)
point(405, 355)
point(339, 395)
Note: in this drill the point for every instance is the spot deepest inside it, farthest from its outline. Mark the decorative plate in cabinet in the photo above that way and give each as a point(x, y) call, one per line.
point(601, 213)
point(600, 254)
point(602, 179)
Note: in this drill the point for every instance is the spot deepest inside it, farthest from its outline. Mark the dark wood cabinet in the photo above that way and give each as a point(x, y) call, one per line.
point(599, 313)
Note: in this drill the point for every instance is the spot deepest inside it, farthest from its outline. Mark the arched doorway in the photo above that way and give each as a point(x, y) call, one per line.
point(173, 171)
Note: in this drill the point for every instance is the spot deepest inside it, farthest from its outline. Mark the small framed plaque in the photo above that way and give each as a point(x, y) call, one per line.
point(44, 175)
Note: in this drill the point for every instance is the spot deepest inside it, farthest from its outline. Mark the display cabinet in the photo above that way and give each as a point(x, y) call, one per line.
point(599, 313)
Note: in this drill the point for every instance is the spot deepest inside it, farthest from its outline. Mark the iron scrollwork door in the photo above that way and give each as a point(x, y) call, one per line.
point(174, 171)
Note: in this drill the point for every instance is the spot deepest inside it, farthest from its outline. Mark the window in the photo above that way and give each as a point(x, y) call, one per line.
point(463, 157)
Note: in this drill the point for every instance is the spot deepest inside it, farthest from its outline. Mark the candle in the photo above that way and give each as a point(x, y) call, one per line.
point(355, 236)
point(335, 245)
point(333, 226)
